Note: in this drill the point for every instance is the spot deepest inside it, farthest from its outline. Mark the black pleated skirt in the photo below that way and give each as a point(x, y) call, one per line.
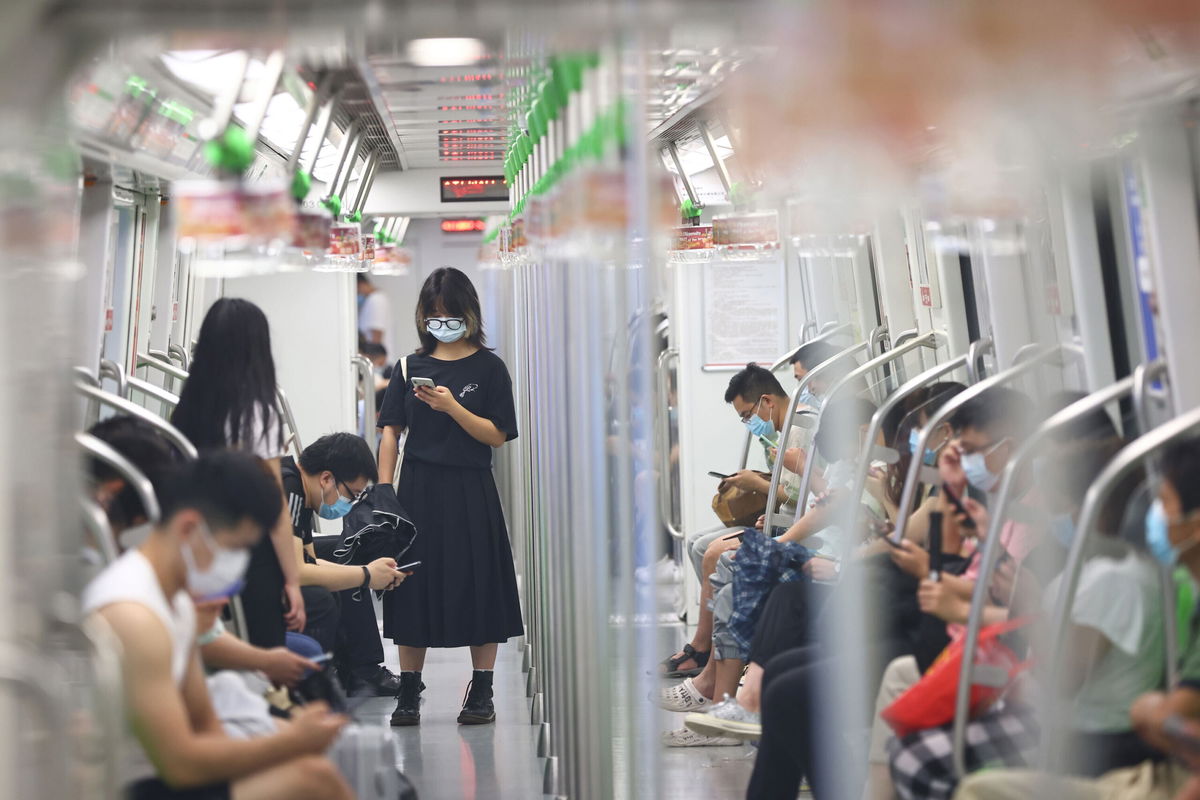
point(465, 591)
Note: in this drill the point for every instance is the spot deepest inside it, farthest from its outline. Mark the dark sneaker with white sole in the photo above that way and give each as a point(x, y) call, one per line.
point(478, 708)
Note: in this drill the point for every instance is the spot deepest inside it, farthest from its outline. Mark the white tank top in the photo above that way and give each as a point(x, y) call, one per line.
point(131, 579)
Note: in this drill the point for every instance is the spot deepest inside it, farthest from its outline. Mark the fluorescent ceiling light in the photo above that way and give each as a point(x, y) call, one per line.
point(445, 52)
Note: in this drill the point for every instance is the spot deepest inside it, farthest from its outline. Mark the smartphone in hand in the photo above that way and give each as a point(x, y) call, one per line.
point(958, 505)
point(719, 475)
point(425, 383)
point(408, 567)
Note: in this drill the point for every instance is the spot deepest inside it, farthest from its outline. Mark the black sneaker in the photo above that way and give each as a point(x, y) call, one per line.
point(373, 681)
point(408, 704)
point(478, 708)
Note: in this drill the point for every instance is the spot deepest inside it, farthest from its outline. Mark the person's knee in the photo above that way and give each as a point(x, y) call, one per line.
point(320, 778)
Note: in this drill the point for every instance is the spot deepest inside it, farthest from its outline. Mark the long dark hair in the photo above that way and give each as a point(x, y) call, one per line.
point(232, 380)
point(453, 291)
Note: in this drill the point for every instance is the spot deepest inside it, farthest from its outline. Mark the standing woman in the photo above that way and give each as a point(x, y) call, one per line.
point(229, 401)
point(464, 594)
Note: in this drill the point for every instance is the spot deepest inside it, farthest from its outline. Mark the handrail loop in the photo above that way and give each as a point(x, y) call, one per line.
point(114, 372)
point(665, 506)
point(975, 353)
point(366, 378)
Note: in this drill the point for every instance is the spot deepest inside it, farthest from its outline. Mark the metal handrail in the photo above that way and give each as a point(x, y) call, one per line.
point(1142, 376)
point(289, 419)
point(134, 410)
point(785, 358)
point(929, 339)
point(877, 337)
point(348, 140)
point(140, 484)
point(366, 378)
point(96, 521)
point(1125, 462)
point(974, 353)
point(828, 326)
point(179, 353)
point(1024, 352)
point(135, 384)
point(82, 374)
point(162, 362)
point(811, 324)
point(665, 509)
point(789, 420)
point(944, 413)
point(114, 372)
point(990, 557)
point(863, 467)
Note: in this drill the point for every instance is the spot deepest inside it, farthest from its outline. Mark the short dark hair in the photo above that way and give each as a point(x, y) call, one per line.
point(752, 382)
point(836, 421)
point(999, 412)
point(1180, 464)
point(148, 451)
point(226, 487)
point(451, 289)
point(361, 277)
point(345, 455)
point(372, 349)
point(814, 353)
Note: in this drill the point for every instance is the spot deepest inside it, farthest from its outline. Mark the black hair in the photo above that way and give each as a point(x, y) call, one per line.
point(372, 349)
point(226, 487)
point(813, 353)
point(751, 383)
point(452, 291)
point(999, 412)
point(231, 385)
point(345, 455)
point(837, 422)
point(928, 401)
point(361, 277)
point(1180, 465)
point(1095, 424)
point(145, 448)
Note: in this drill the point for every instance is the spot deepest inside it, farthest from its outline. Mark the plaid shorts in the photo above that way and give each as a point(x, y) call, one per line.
point(922, 764)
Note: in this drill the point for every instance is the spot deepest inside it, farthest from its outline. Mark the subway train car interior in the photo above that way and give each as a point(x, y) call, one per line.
point(630, 400)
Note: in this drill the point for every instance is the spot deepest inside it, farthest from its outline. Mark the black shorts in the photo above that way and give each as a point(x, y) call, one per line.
point(155, 789)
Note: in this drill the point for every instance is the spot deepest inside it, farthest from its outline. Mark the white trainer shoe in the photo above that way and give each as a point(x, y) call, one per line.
point(726, 719)
point(685, 738)
point(682, 697)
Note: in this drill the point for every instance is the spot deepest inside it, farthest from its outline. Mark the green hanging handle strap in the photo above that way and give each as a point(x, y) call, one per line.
point(232, 152)
point(301, 185)
point(334, 204)
point(355, 217)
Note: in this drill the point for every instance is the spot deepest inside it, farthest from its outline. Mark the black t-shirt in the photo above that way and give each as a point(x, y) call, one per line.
point(298, 510)
point(481, 384)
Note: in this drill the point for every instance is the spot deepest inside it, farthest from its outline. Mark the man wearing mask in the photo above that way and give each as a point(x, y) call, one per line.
point(333, 471)
point(213, 511)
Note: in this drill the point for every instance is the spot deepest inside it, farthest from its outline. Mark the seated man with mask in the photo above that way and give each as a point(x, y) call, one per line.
point(213, 511)
point(333, 471)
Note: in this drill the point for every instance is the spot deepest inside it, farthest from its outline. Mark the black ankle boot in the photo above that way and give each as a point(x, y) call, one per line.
point(408, 704)
point(477, 705)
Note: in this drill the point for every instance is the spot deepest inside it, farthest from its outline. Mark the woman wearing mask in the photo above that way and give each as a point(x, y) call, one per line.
point(229, 401)
point(465, 591)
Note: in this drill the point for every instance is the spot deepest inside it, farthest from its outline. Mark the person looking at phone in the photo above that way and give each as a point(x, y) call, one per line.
point(465, 592)
point(213, 512)
point(333, 471)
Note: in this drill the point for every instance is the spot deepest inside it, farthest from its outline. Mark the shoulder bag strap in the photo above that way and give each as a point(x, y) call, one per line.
point(403, 436)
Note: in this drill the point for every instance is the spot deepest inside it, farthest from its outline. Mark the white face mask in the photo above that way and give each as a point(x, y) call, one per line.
point(223, 578)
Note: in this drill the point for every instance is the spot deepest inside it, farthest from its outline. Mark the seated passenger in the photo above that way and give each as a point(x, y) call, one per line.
point(1115, 642)
point(214, 510)
point(1164, 721)
point(810, 356)
point(760, 402)
point(333, 471)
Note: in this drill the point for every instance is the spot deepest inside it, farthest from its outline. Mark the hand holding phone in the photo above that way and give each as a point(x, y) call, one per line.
point(718, 475)
point(424, 383)
point(967, 521)
point(408, 567)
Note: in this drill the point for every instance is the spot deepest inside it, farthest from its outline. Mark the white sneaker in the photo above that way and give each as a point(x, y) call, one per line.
point(682, 697)
point(727, 719)
point(685, 738)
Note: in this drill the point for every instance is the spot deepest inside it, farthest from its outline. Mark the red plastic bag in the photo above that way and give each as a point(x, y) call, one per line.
point(930, 701)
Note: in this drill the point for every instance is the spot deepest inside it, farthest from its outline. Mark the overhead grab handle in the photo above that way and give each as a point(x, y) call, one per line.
point(992, 546)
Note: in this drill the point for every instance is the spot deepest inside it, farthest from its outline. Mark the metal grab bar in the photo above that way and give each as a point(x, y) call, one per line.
point(114, 372)
point(289, 419)
point(163, 362)
point(666, 509)
point(944, 413)
point(134, 410)
point(1143, 374)
point(787, 357)
point(124, 467)
point(990, 557)
point(877, 337)
point(863, 468)
point(133, 384)
point(974, 353)
point(366, 378)
point(810, 325)
point(1125, 462)
point(926, 340)
point(82, 374)
point(180, 354)
point(790, 419)
point(1024, 352)
point(96, 522)
point(827, 327)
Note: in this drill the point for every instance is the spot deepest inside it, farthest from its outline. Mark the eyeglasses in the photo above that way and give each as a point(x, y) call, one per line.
point(746, 417)
point(449, 323)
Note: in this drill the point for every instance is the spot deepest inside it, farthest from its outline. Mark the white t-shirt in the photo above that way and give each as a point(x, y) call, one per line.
point(376, 314)
point(131, 579)
point(264, 444)
point(1122, 600)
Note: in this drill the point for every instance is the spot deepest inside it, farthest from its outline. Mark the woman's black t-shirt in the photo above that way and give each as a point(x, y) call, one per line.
point(481, 384)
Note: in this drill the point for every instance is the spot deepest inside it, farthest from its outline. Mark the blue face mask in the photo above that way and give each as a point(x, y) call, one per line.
point(340, 508)
point(976, 469)
point(1157, 538)
point(440, 330)
point(758, 426)
point(807, 398)
point(914, 440)
point(1062, 527)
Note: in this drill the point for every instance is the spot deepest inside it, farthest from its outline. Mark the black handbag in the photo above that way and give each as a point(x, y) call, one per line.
point(376, 527)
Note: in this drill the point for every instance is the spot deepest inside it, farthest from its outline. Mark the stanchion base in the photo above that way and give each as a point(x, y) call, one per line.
point(543, 745)
point(550, 776)
point(531, 684)
point(537, 709)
